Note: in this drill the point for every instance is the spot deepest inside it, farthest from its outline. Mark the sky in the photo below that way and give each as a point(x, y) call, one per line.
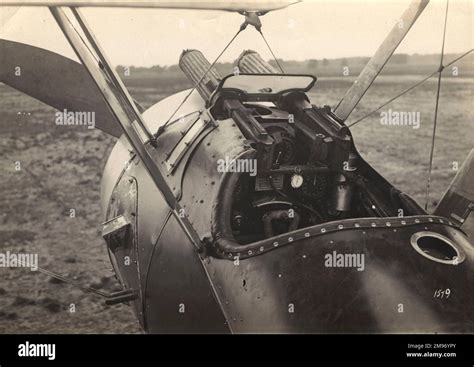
point(309, 30)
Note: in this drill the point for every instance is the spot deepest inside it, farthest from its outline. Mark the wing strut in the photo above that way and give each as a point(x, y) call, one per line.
point(121, 106)
point(380, 58)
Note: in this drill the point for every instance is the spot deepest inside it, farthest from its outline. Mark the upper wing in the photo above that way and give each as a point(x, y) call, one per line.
point(55, 80)
point(229, 5)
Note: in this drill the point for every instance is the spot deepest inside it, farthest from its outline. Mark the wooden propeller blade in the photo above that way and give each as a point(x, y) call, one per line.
point(380, 58)
point(228, 5)
point(55, 80)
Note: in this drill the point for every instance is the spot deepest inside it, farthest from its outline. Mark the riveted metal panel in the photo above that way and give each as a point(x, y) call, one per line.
point(123, 249)
point(293, 289)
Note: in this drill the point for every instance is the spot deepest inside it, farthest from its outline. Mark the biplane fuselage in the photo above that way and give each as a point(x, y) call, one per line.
point(280, 284)
point(238, 206)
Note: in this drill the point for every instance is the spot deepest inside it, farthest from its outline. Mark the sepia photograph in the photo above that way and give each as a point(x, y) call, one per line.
point(237, 167)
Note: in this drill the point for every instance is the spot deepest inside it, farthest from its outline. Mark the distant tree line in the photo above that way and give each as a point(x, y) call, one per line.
point(317, 66)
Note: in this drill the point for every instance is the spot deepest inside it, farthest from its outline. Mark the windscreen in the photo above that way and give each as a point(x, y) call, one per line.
point(256, 86)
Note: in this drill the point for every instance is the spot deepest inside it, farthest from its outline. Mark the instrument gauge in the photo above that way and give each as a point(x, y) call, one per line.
point(296, 181)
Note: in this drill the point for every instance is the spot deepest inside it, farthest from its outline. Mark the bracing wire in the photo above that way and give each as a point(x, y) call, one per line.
point(410, 88)
point(50, 273)
point(439, 72)
point(433, 137)
point(68, 280)
point(271, 51)
point(84, 42)
point(242, 27)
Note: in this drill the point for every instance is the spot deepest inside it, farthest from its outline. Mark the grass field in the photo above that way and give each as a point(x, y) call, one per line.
point(61, 169)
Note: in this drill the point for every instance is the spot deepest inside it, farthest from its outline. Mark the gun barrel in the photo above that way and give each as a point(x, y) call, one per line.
point(194, 65)
point(250, 62)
